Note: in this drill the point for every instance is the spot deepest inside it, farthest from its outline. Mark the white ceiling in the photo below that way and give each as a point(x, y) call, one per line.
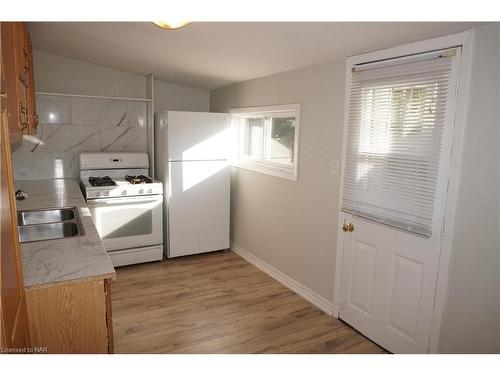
point(212, 55)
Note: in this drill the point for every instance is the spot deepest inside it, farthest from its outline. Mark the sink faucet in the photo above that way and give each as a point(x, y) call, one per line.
point(21, 195)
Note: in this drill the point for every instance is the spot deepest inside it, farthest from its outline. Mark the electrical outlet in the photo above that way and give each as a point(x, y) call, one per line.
point(335, 167)
point(113, 91)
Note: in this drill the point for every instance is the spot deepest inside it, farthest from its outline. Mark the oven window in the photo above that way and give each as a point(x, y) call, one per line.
point(125, 223)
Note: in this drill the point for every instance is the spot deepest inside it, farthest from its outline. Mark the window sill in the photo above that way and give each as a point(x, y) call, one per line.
point(271, 169)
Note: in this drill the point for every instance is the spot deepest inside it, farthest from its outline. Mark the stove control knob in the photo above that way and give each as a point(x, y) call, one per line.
point(141, 191)
point(124, 192)
point(150, 191)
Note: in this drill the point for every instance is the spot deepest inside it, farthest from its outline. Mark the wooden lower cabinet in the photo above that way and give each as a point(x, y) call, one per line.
point(71, 318)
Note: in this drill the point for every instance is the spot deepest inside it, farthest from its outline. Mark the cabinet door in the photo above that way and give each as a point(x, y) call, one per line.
point(69, 318)
point(9, 82)
point(19, 70)
point(21, 52)
point(14, 333)
point(22, 107)
point(22, 67)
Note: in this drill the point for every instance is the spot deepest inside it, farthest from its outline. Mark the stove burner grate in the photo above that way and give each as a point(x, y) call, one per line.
point(101, 181)
point(141, 179)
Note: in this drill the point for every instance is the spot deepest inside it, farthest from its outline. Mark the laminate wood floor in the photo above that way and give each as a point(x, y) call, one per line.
point(220, 303)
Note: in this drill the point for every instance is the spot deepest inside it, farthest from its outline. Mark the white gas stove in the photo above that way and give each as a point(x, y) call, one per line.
point(125, 204)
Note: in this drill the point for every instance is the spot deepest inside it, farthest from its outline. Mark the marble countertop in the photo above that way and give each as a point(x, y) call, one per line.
point(67, 260)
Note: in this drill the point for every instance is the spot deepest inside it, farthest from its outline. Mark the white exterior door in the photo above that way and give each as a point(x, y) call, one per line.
point(397, 156)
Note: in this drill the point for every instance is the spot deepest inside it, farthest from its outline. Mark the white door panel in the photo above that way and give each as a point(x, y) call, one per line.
point(406, 292)
point(388, 285)
point(198, 207)
point(198, 136)
point(362, 277)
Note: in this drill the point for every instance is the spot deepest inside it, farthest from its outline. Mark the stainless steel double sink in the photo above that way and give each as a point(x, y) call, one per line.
point(48, 224)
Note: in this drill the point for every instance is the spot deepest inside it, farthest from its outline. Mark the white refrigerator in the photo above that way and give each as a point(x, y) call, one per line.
point(192, 151)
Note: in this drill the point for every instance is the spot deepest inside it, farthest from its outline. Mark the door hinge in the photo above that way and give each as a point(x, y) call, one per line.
point(443, 225)
point(457, 91)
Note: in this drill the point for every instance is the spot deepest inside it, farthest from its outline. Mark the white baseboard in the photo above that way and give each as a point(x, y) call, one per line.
point(303, 291)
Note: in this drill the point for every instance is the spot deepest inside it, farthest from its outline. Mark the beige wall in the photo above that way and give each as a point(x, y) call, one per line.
point(292, 224)
point(471, 321)
point(170, 97)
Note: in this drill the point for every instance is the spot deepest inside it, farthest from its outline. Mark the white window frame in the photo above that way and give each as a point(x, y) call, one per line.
point(261, 165)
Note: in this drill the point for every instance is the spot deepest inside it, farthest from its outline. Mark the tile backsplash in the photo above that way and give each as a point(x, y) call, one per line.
point(70, 125)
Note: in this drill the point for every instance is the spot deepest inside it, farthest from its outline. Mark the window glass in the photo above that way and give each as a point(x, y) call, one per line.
point(254, 130)
point(281, 140)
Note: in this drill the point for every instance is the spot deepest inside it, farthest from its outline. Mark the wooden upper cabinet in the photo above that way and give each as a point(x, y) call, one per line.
point(21, 51)
point(28, 118)
point(9, 83)
point(19, 79)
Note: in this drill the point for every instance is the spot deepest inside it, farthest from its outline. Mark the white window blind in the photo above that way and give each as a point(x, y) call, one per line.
point(395, 128)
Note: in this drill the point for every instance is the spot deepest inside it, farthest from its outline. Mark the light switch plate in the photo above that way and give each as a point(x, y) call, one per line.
point(335, 167)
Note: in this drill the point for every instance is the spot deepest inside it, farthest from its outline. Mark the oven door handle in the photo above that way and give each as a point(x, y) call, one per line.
point(118, 200)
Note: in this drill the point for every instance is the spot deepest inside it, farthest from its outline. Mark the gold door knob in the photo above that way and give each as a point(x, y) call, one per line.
point(348, 227)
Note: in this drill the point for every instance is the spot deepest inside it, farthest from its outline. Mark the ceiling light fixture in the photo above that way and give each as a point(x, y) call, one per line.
point(171, 25)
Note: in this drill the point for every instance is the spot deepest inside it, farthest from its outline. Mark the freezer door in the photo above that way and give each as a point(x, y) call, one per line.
point(198, 207)
point(198, 136)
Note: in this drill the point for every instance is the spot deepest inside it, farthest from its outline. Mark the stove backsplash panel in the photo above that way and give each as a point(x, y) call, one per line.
point(70, 125)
